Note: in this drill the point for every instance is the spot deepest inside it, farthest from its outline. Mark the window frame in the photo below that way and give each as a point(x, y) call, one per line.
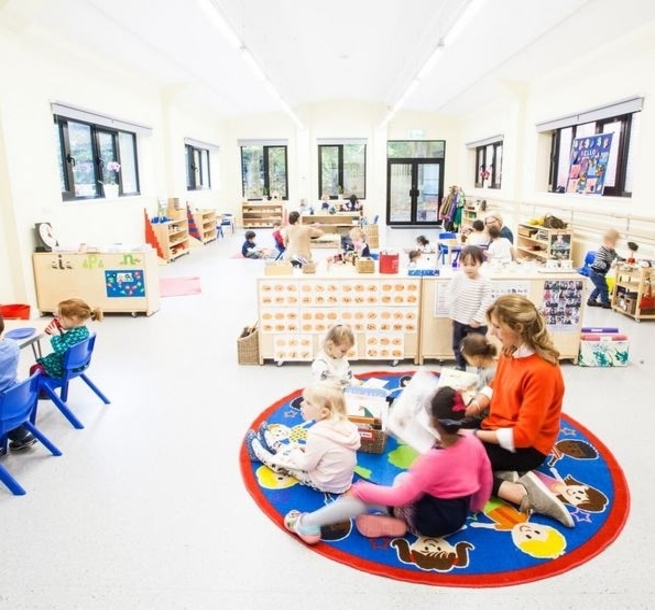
point(481, 164)
point(96, 131)
point(561, 130)
point(343, 190)
point(196, 169)
point(266, 177)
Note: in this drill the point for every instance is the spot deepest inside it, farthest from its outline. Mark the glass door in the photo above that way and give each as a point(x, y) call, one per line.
point(415, 188)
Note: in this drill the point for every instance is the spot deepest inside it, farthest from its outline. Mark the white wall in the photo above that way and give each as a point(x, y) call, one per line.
point(29, 185)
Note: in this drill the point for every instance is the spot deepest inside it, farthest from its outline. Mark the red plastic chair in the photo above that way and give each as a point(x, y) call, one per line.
point(76, 361)
point(17, 404)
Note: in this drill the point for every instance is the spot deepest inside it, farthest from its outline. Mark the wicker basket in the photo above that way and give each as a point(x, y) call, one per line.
point(248, 346)
point(373, 440)
point(365, 265)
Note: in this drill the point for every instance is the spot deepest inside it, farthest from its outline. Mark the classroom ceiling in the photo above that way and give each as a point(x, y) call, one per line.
point(356, 50)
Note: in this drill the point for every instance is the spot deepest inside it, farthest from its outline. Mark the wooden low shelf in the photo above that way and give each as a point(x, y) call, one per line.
point(534, 242)
point(631, 285)
point(340, 222)
point(123, 282)
point(261, 214)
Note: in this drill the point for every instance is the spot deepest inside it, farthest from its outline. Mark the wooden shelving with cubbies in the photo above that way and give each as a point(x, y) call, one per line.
point(203, 225)
point(632, 294)
point(173, 237)
point(261, 214)
point(535, 242)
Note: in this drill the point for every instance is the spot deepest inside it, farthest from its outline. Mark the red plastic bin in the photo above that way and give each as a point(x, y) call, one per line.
point(15, 312)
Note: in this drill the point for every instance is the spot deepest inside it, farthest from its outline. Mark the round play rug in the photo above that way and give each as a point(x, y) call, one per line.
point(499, 546)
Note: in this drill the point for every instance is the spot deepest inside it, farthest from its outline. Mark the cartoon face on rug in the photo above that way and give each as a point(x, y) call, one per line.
point(591, 485)
point(432, 554)
point(536, 540)
point(270, 479)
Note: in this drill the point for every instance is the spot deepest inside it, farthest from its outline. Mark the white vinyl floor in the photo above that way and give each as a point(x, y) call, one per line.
point(146, 509)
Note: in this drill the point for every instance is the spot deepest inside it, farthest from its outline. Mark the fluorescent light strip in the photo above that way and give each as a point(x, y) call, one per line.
point(458, 27)
point(213, 12)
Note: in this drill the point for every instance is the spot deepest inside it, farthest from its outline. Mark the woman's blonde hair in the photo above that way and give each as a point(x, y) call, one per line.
point(338, 335)
point(357, 234)
point(77, 309)
point(327, 396)
point(522, 316)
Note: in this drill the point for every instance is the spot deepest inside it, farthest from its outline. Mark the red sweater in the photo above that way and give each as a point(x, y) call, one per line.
point(527, 397)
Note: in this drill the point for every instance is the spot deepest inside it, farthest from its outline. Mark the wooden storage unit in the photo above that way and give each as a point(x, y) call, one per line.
point(173, 237)
point(534, 242)
point(295, 312)
point(631, 285)
point(559, 295)
point(116, 282)
point(341, 222)
point(205, 225)
point(470, 213)
point(261, 214)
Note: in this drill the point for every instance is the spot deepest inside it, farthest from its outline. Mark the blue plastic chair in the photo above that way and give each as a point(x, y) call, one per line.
point(17, 404)
point(588, 259)
point(76, 361)
point(443, 249)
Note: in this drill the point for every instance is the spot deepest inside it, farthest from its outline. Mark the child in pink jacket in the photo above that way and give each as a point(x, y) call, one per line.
point(433, 498)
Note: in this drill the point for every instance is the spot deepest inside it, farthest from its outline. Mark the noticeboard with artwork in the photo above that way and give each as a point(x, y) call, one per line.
point(590, 157)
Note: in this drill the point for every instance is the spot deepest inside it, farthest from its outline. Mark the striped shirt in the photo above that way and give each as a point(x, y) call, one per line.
point(603, 259)
point(469, 299)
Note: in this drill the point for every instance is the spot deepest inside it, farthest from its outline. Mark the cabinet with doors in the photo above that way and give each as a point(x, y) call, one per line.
point(261, 214)
point(632, 294)
point(534, 242)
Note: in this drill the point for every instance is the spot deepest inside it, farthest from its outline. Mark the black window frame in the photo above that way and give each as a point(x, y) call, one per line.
point(622, 159)
point(195, 162)
point(481, 165)
point(68, 161)
point(342, 189)
point(265, 176)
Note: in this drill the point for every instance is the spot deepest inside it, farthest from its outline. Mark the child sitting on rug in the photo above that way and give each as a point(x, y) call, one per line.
point(479, 352)
point(431, 499)
point(250, 249)
point(326, 462)
point(331, 364)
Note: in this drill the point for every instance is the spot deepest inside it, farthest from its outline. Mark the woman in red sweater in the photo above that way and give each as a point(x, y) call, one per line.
point(525, 403)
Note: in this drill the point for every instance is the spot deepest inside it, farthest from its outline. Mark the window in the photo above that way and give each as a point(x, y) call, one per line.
point(488, 168)
point(622, 119)
point(342, 169)
point(85, 154)
point(197, 168)
point(489, 165)
point(264, 170)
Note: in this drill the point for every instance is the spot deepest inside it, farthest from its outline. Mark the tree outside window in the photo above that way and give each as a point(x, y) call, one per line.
point(342, 170)
point(264, 171)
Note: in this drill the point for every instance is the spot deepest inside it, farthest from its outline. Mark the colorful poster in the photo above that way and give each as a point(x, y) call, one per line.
point(561, 305)
point(125, 283)
point(589, 159)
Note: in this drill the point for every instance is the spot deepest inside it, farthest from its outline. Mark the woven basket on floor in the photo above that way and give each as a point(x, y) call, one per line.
point(248, 346)
point(373, 440)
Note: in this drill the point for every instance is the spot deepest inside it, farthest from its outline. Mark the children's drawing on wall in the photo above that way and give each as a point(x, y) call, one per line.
point(125, 283)
point(561, 304)
point(560, 246)
point(588, 166)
